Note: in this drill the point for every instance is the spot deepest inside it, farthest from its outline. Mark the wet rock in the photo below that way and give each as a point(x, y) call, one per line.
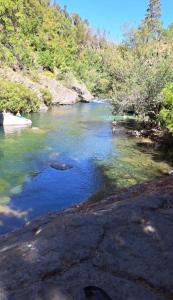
point(61, 166)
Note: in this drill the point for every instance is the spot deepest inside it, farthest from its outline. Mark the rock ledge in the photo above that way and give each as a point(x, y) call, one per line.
point(121, 245)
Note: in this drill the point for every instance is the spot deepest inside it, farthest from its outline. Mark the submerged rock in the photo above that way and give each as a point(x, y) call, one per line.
point(61, 166)
point(117, 248)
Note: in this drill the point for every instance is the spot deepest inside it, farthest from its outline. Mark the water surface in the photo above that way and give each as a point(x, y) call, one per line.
point(79, 135)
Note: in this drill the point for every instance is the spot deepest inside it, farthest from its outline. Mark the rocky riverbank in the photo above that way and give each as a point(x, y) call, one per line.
point(117, 248)
point(60, 93)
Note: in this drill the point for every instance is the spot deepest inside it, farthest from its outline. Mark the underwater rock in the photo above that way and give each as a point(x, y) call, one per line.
point(60, 166)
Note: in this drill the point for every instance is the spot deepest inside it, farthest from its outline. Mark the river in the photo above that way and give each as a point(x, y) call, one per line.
point(81, 136)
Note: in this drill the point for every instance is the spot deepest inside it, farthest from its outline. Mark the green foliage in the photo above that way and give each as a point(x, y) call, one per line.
point(140, 68)
point(16, 97)
point(166, 114)
point(36, 35)
point(46, 59)
point(139, 83)
point(47, 96)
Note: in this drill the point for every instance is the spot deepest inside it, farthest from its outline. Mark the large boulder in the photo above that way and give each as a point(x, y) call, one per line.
point(60, 94)
point(82, 91)
point(118, 248)
point(65, 96)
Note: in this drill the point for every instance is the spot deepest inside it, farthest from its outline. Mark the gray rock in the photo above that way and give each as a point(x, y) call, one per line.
point(60, 166)
point(60, 94)
point(82, 91)
point(43, 107)
point(119, 248)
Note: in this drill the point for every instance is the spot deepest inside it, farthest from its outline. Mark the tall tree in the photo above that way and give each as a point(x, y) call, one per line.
point(152, 18)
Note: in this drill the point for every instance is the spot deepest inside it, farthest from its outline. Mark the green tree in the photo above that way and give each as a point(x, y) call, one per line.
point(166, 114)
point(153, 15)
point(154, 9)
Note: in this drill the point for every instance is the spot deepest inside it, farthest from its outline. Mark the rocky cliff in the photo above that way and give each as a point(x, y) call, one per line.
point(61, 94)
point(118, 248)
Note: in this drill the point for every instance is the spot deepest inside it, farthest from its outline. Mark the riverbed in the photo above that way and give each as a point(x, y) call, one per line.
point(78, 136)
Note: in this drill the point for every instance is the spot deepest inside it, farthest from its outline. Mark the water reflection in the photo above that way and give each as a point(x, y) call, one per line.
point(10, 130)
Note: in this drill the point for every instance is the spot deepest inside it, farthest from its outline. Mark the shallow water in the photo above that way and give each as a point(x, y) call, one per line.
point(81, 136)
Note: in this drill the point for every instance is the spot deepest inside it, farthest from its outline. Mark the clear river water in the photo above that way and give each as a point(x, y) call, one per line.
point(81, 136)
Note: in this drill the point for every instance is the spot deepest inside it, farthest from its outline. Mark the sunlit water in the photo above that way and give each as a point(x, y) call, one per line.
point(81, 136)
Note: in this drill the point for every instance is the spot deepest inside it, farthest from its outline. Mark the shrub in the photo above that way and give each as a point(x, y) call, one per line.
point(166, 114)
point(16, 97)
point(47, 96)
point(34, 74)
point(46, 60)
point(67, 78)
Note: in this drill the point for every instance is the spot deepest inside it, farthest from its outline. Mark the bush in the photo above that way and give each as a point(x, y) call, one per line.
point(47, 96)
point(166, 114)
point(16, 97)
point(67, 78)
point(34, 74)
point(46, 60)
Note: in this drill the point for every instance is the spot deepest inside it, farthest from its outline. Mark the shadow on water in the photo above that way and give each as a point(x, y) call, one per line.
point(41, 195)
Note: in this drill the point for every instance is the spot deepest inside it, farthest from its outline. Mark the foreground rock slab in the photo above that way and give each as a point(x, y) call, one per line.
point(118, 248)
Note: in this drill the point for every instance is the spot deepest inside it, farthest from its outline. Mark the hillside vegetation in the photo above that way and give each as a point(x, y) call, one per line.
point(137, 74)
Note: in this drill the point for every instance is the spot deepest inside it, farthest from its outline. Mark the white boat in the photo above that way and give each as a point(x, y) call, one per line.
point(10, 119)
